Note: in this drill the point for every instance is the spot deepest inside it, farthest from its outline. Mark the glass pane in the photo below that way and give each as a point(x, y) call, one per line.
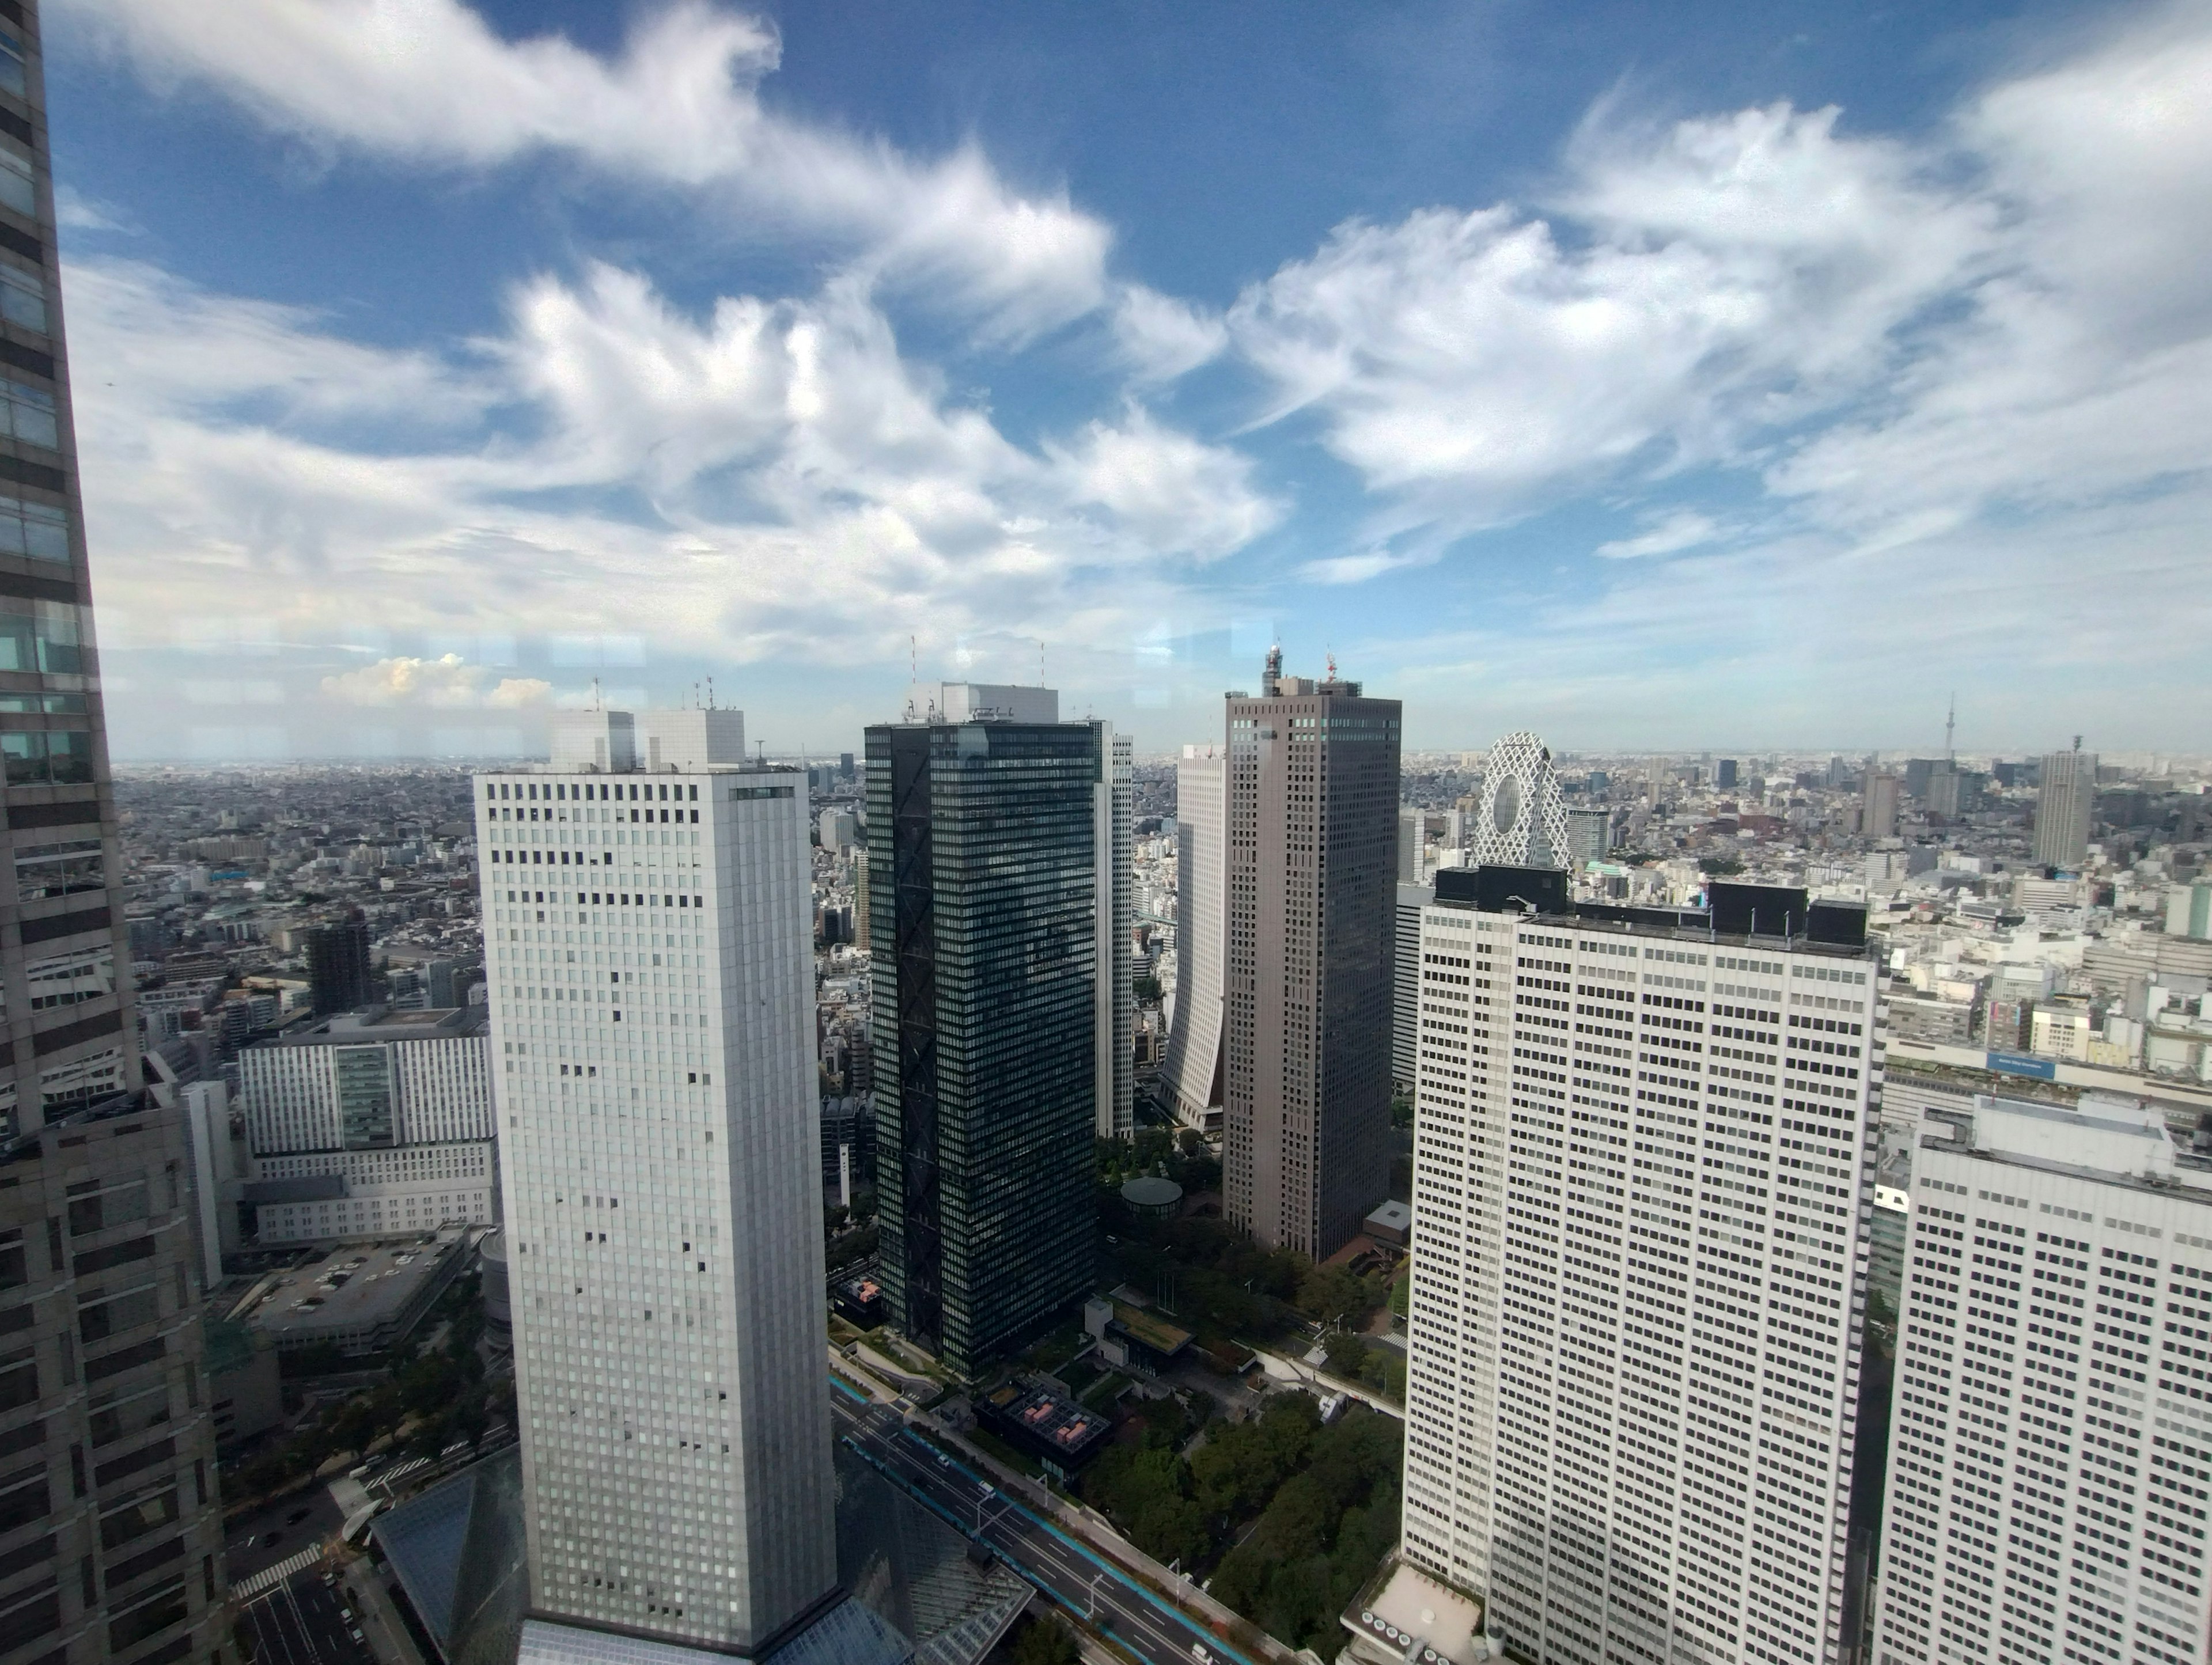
point(46, 533)
point(21, 303)
point(35, 427)
point(16, 190)
point(69, 756)
point(15, 651)
point(26, 756)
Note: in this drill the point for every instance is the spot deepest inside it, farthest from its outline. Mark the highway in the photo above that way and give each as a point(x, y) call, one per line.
point(1088, 1587)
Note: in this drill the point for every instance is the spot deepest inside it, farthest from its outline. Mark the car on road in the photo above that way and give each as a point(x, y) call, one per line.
point(296, 1517)
point(358, 1636)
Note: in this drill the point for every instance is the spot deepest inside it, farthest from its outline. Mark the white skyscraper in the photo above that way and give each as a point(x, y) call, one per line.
point(1113, 900)
point(1642, 1145)
point(2051, 1443)
point(1194, 1061)
point(647, 947)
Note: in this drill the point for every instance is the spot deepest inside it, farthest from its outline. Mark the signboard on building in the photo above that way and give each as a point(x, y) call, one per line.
point(2019, 1063)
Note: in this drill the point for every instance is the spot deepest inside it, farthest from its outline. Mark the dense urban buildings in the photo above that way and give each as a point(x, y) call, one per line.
point(1639, 1259)
point(2051, 1436)
point(650, 961)
point(110, 1527)
point(1194, 1058)
point(988, 851)
point(1312, 876)
point(2063, 807)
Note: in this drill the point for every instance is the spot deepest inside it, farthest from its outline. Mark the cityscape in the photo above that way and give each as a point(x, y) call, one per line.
point(1025, 1126)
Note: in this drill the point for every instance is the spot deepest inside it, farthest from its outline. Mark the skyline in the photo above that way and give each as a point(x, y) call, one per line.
point(1752, 370)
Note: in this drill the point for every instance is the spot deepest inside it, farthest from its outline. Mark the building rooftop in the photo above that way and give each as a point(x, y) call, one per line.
point(377, 1023)
point(1406, 1617)
point(360, 1285)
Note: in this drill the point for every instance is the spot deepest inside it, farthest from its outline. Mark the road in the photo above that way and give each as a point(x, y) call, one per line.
point(1146, 1625)
point(301, 1622)
point(318, 1519)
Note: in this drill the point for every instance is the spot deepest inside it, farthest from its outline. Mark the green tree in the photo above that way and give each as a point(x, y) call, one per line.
point(1347, 1355)
point(1045, 1642)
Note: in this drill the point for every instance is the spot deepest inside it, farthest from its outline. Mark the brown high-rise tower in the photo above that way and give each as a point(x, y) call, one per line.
point(1313, 828)
point(109, 1531)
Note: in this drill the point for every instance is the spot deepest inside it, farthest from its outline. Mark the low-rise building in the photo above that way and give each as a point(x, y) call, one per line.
point(360, 1299)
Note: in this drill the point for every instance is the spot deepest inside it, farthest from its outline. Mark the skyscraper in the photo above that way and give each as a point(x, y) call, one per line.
point(1724, 775)
point(1589, 836)
point(1412, 845)
point(652, 1012)
point(1313, 823)
point(985, 856)
point(2063, 807)
point(2051, 1439)
point(1406, 983)
point(1523, 821)
point(1878, 794)
point(110, 1530)
point(339, 978)
point(1194, 1061)
point(1643, 1141)
point(1114, 912)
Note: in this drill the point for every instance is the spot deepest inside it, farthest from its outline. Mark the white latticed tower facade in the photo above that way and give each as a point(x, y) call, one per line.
point(1523, 821)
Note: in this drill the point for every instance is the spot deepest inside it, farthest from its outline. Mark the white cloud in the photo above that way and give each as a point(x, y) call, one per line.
point(813, 493)
point(445, 683)
point(1712, 283)
point(1683, 529)
point(427, 82)
point(1161, 337)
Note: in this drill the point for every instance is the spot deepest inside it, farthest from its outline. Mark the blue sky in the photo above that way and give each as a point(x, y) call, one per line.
point(1705, 376)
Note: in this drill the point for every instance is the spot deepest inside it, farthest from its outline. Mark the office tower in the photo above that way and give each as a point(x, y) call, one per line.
point(2050, 1437)
point(1918, 772)
point(1878, 795)
point(1313, 823)
point(1114, 912)
point(371, 1123)
point(1412, 845)
point(983, 856)
point(2062, 805)
point(1406, 983)
point(1523, 821)
point(1193, 1061)
point(338, 973)
point(652, 1013)
point(110, 1530)
point(2189, 910)
point(1589, 836)
point(1724, 776)
point(1643, 1139)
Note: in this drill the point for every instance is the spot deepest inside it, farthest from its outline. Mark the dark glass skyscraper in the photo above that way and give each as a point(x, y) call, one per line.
point(339, 974)
point(984, 859)
point(109, 1531)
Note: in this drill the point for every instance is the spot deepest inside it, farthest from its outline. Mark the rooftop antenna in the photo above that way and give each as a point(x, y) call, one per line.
point(1949, 722)
point(710, 693)
point(595, 693)
point(1332, 664)
point(1040, 661)
point(912, 672)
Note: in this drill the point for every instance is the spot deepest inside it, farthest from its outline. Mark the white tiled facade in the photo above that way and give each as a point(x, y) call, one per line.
point(415, 1188)
point(2050, 1486)
point(648, 948)
point(290, 1091)
point(1641, 1166)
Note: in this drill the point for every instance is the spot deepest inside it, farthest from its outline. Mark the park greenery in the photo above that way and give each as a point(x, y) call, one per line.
point(1043, 1641)
point(1325, 1499)
point(429, 1399)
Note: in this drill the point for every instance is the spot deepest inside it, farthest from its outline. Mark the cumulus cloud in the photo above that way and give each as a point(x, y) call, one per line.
point(446, 683)
point(428, 82)
point(806, 490)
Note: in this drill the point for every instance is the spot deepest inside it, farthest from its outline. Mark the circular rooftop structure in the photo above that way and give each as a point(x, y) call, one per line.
point(1150, 1195)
